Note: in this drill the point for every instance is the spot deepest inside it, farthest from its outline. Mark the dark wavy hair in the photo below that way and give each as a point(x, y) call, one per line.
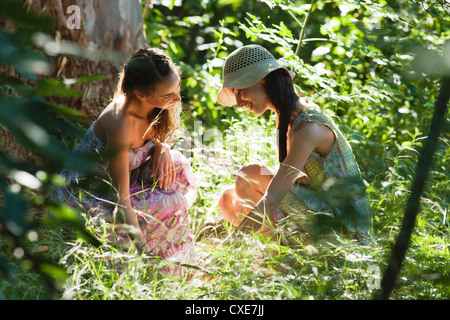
point(282, 95)
point(143, 71)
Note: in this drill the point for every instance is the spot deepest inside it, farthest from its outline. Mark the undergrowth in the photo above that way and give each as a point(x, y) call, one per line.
point(252, 267)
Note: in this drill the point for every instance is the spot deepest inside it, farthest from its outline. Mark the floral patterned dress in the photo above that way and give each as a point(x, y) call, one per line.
point(329, 184)
point(162, 215)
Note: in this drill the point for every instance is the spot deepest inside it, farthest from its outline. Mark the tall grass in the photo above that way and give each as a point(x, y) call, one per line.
point(253, 267)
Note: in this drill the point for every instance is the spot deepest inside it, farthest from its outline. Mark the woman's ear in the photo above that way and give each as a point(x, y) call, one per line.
point(262, 81)
point(138, 94)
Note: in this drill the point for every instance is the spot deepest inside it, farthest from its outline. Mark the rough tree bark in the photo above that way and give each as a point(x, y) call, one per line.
point(105, 24)
point(115, 25)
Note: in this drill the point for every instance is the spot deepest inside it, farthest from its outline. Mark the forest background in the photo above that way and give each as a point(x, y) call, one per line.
point(375, 66)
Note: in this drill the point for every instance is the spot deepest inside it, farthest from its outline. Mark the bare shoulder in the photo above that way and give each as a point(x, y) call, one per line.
point(113, 127)
point(318, 136)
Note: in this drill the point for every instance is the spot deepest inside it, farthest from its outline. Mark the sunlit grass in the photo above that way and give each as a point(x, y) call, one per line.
point(248, 268)
point(253, 267)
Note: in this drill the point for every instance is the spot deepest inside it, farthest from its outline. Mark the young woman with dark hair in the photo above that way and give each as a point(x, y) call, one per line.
point(313, 156)
point(153, 186)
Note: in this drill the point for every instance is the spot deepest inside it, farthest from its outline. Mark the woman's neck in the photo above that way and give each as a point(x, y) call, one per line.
point(134, 107)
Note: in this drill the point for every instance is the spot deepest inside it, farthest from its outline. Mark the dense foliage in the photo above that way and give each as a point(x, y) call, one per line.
point(374, 66)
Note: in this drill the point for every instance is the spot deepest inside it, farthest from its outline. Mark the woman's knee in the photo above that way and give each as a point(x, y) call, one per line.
point(181, 162)
point(177, 156)
point(227, 196)
point(253, 176)
point(227, 205)
point(256, 170)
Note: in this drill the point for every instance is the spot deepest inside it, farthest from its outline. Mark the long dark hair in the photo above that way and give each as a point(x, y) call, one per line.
point(282, 95)
point(145, 68)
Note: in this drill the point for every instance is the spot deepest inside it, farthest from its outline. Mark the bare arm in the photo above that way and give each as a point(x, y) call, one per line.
point(309, 137)
point(118, 142)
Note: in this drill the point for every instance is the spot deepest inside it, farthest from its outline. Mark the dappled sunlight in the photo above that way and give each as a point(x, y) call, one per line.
point(373, 67)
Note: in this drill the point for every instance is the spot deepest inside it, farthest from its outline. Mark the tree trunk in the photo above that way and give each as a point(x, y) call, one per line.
point(115, 25)
point(104, 24)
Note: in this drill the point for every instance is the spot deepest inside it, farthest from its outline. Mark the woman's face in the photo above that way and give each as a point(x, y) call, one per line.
point(253, 98)
point(166, 93)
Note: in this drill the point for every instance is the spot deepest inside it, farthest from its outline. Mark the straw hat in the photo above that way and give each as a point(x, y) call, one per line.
point(243, 68)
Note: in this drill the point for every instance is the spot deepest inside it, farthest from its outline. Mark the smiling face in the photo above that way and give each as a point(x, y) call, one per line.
point(253, 98)
point(165, 95)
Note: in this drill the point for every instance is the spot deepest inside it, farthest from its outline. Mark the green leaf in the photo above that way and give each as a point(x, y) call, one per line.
point(66, 215)
point(13, 212)
point(27, 62)
point(52, 270)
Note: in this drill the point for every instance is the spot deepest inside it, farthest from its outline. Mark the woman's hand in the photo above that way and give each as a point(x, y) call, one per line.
point(163, 168)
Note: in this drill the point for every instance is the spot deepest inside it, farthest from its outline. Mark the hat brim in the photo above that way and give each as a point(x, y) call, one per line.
point(226, 96)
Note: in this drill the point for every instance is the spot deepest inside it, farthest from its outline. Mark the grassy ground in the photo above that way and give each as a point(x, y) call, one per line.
point(252, 267)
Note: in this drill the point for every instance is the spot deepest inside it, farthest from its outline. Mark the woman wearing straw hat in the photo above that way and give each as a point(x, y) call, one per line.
point(315, 158)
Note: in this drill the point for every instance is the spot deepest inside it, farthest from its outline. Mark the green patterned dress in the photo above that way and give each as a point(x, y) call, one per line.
point(329, 191)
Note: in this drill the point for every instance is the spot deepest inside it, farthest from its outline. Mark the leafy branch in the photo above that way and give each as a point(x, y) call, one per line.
point(303, 27)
